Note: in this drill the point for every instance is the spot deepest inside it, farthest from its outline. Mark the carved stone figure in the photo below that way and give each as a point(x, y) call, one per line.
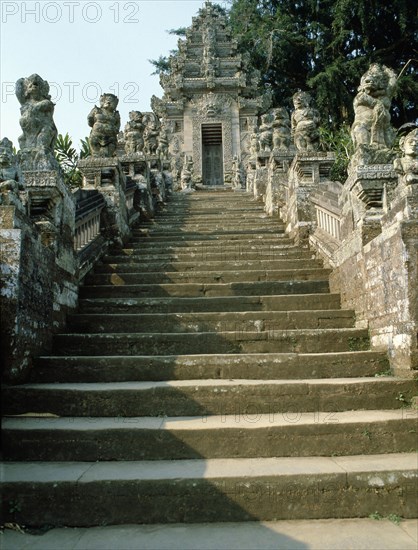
point(186, 178)
point(163, 142)
point(254, 142)
point(151, 133)
point(407, 165)
point(9, 174)
point(134, 133)
point(266, 133)
point(39, 131)
point(105, 124)
point(371, 127)
point(237, 170)
point(281, 129)
point(304, 123)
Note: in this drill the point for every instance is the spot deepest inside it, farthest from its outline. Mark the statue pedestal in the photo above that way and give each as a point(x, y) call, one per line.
point(307, 172)
point(107, 176)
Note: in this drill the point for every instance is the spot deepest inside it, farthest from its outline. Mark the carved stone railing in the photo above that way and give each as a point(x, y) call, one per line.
point(328, 221)
point(89, 206)
point(51, 238)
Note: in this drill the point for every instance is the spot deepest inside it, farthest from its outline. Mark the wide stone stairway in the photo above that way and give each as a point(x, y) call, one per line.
point(209, 375)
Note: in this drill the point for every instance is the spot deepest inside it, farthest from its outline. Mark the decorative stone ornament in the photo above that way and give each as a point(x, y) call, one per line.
point(371, 132)
point(305, 123)
point(39, 131)
point(407, 165)
point(105, 125)
point(134, 133)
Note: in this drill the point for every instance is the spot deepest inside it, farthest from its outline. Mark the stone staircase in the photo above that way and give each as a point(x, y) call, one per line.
point(209, 375)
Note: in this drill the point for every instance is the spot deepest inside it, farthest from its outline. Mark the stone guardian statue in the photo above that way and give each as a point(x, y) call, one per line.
point(37, 142)
point(105, 124)
point(305, 123)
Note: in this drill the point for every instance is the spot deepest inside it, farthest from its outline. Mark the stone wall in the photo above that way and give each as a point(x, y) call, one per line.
point(378, 279)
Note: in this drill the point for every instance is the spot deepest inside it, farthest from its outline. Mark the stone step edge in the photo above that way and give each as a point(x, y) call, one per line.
point(38, 422)
point(206, 383)
point(352, 467)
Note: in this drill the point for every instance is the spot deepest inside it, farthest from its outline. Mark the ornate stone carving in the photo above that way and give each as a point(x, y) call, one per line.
point(407, 165)
point(254, 142)
point(9, 175)
point(105, 124)
point(281, 129)
point(163, 140)
point(304, 123)
point(371, 131)
point(266, 133)
point(39, 131)
point(134, 133)
point(186, 178)
point(151, 133)
point(238, 180)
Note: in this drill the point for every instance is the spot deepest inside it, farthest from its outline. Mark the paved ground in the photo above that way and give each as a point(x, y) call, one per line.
point(350, 534)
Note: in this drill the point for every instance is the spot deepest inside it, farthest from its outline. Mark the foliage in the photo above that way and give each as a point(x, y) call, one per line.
point(339, 142)
point(68, 158)
point(327, 46)
point(161, 65)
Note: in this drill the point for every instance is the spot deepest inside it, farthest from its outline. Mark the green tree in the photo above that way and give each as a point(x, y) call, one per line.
point(326, 45)
point(68, 158)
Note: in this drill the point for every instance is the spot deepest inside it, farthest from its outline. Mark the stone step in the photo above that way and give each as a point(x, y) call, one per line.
point(237, 211)
point(271, 366)
point(207, 397)
point(296, 434)
point(211, 322)
point(199, 239)
point(291, 302)
point(192, 266)
point(208, 276)
point(205, 254)
point(260, 229)
point(234, 489)
point(205, 289)
point(274, 341)
point(238, 226)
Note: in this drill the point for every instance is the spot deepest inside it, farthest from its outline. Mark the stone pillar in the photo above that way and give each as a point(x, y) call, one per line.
point(275, 196)
point(106, 175)
point(306, 173)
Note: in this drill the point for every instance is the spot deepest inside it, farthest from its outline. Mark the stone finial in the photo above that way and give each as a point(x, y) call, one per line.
point(134, 133)
point(105, 124)
point(371, 131)
point(281, 129)
point(266, 133)
point(305, 123)
point(37, 142)
point(407, 165)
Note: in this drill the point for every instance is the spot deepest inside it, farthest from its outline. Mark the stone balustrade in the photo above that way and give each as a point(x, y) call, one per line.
point(87, 218)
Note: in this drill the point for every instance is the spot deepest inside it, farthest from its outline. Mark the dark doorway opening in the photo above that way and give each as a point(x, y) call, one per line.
point(212, 155)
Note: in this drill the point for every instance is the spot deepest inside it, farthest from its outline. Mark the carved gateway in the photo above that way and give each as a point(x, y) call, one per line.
point(211, 95)
point(213, 109)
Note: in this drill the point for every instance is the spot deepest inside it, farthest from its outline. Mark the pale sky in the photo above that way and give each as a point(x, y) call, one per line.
point(84, 48)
